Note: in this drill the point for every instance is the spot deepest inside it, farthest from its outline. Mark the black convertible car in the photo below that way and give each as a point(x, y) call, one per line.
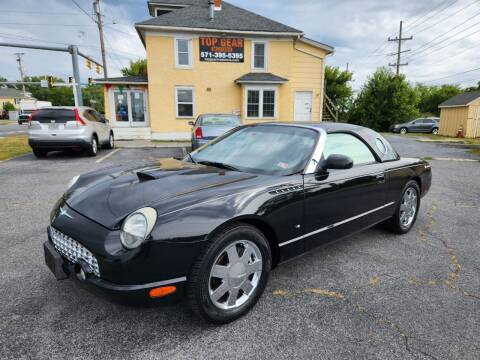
point(211, 226)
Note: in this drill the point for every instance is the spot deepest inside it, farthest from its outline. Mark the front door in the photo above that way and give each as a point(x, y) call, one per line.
point(303, 106)
point(130, 108)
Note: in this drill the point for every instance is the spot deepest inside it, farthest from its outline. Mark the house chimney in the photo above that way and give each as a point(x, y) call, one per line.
point(218, 5)
point(211, 5)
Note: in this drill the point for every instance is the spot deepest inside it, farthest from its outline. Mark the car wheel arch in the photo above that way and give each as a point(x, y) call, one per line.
point(261, 225)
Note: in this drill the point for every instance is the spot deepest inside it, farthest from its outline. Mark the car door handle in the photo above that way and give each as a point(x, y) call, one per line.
point(380, 177)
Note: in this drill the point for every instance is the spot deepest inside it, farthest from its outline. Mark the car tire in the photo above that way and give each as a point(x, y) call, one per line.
point(40, 153)
point(93, 147)
point(435, 131)
point(403, 131)
point(111, 142)
point(407, 209)
point(219, 271)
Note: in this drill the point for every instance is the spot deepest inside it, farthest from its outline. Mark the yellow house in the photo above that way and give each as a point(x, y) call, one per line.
point(461, 115)
point(213, 57)
point(12, 96)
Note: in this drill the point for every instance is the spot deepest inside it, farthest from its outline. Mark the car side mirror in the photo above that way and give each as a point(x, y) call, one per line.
point(339, 162)
point(191, 123)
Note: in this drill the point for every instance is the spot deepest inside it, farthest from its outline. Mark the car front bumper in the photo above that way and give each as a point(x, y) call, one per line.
point(64, 269)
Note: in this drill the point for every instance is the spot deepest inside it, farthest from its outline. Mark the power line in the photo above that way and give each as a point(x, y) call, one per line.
point(435, 13)
point(446, 17)
point(425, 14)
point(425, 46)
point(432, 48)
point(453, 75)
point(83, 10)
point(43, 24)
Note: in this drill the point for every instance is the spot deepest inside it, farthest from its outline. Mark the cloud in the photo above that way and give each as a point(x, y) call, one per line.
point(358, 29)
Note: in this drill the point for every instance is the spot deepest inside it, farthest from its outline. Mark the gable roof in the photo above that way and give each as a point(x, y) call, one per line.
point(9, 93)
point(461, 99)
point(196, 16)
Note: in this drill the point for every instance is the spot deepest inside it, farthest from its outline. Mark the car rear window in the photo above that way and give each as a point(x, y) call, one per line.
point(57, 115)
point(220, 120)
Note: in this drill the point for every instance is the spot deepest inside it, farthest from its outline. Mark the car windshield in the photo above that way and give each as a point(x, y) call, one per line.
point(265, 149)
point(220, 120)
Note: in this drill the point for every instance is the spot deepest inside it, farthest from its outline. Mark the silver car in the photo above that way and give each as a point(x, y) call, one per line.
point(210, 126)
point(62, 127)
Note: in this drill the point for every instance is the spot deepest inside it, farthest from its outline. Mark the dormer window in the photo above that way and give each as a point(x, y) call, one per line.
point(259, 55)
point(159, 12)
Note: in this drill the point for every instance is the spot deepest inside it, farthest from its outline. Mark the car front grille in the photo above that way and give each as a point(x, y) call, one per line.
point(73, 250)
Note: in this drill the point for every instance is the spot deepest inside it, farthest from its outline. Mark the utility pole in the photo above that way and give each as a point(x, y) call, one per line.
point(20, 69)
point(399, 39)
point(99, 21)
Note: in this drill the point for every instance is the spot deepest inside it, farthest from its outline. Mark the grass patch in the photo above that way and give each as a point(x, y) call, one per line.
point(7, 122)
point(474, 152)
point(427, 158)
point(12, 146)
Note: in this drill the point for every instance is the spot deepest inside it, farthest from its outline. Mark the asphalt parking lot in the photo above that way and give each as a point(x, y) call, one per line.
point(372, 296)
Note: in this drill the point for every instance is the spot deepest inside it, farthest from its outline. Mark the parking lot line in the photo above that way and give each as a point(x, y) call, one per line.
point(107, 156)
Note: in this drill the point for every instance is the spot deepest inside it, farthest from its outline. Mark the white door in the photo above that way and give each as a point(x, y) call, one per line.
point(137, 108)
point(129, 108)
point(303, 106)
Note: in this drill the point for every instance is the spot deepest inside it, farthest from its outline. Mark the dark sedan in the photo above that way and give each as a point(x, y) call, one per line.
point(210, 126)
point(211, 227)
point(422, 125)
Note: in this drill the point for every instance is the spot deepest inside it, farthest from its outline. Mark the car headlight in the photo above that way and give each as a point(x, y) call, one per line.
point(137, 226)
point(72, 182)
point(396, 126)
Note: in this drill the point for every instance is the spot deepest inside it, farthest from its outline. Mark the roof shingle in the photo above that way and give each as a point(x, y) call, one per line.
point(461, 99)
point(196, 15)
point(260, 77)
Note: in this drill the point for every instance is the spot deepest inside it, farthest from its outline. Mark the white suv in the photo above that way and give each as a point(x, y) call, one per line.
point(62, 127)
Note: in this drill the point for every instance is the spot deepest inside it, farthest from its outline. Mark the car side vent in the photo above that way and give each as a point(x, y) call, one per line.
point(287, 189)
point(144, 176)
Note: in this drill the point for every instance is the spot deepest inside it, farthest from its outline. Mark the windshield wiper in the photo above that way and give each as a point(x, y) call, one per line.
point(218, 165)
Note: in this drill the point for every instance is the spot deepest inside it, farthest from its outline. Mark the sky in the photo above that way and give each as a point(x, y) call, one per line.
point(445, 46)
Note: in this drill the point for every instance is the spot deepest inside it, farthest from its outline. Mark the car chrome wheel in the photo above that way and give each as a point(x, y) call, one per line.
point(94, 146)
point(408, 207)
point(111, 141)
point(435, 131)
point(403, 131)
point(235, 274)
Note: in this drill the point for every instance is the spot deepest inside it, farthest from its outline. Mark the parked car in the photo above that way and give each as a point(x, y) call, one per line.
point(210, 126)
point(62, 128)
point(423, 125)
point(23, 118)
point(211, 227)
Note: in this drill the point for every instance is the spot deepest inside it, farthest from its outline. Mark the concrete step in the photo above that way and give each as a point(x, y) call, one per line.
point(140, 133)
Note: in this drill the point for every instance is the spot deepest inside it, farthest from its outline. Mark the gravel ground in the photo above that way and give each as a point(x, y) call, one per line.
point(374, 295)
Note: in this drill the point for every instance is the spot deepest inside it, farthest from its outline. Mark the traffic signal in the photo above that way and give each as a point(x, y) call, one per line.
point(70, 79)
point(97, 69)
point(90, 81)
point(88, 63)
point(50, 81)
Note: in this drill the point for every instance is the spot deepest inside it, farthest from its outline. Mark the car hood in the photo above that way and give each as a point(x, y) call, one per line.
point(109, 195)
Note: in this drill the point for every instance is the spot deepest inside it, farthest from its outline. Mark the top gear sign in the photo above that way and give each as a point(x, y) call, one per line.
point(219, 49)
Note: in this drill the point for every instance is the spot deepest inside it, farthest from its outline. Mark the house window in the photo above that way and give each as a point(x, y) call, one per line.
point(183, 53)
point(259, 58)
point(261, 103)
point(184, 97)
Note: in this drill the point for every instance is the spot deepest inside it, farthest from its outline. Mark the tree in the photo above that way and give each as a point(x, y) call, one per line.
point(93, 96)
point(8, 106)
point(473, 88)
point(338, 88)
point(432, 96)
point(3, 79)
point(136, 68)
point(385, 99)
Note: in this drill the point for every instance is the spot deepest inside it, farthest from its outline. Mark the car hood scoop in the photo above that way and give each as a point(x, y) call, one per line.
point(108, 196)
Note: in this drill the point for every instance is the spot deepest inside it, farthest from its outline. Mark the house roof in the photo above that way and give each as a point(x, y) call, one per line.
point(196, 16)
point(260, 78)
point(461, 99)
point(139, 80)
point(9, 93)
